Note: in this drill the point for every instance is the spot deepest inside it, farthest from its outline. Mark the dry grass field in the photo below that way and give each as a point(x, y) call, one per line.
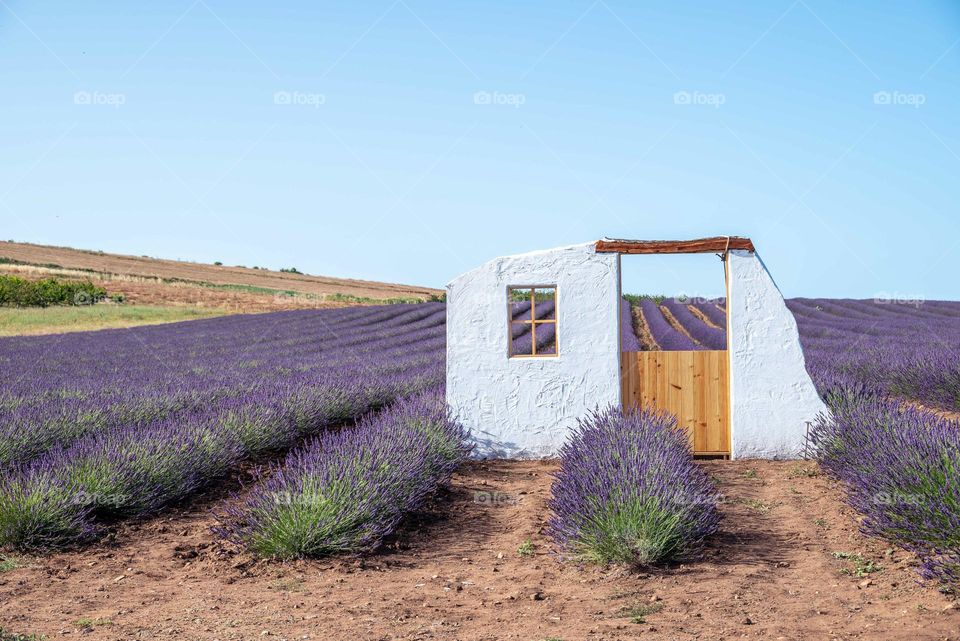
point(57, 320)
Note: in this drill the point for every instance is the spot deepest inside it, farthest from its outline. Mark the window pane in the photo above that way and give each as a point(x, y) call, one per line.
point(520, 303)
point(546, 303)
point(546, 338)
point(521, 343)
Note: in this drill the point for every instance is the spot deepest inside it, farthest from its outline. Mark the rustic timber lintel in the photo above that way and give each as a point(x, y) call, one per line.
point(696, 246)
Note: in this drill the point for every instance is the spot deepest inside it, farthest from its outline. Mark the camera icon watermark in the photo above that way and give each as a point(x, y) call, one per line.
point(699, 98)
point(99, 99)
point(495, 499)
point(685, 298)
point(497, 98)
point(899, 98)
point(299, 99)
point(896, 498)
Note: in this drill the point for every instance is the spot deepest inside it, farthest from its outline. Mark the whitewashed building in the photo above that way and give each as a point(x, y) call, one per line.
point(533, 344)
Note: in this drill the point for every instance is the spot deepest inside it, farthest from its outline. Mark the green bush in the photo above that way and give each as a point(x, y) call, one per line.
point(20, 292)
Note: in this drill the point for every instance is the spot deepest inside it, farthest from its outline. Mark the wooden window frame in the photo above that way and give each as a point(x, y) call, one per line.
point(533, 322)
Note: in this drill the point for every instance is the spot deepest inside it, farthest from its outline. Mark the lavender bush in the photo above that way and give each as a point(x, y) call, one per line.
point(39, 511)
point(901, 470)
point(346, 491)
point(628, 491)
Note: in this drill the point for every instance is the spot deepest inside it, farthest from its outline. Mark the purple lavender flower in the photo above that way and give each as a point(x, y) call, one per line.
point(346, 491)
point(668, 338)
point(708, 337)
point(900, 467)
point(628, 490)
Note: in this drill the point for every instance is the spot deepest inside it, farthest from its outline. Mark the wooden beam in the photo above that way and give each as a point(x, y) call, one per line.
point(697, 246)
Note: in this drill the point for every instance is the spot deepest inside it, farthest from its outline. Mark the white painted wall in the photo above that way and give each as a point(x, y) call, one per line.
point(525, 407)
point(772, 395)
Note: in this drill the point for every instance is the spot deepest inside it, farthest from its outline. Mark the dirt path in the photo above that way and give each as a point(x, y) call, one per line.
point(456, 574)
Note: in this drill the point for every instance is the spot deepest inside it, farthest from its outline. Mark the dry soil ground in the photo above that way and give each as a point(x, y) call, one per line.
point(455, 573)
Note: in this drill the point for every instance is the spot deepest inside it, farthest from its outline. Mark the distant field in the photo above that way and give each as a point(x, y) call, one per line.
point(54, 320)
point(160, 291)
point(154, 281)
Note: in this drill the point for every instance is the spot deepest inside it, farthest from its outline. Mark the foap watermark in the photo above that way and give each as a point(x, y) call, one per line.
point(88, 298)
point(498, 98)
point(686, 499)
point(899, 99)
point(99, 99)
point(299, 99)
point(101, 500)
point(684, 298)
point(888, 298)
point(896, 498)
point(699, 98)
point(495, 499)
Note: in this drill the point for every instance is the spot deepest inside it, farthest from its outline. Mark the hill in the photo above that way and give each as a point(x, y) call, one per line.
point(161, 290)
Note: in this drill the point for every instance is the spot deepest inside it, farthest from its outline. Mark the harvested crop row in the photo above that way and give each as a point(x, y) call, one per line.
point(346, 491)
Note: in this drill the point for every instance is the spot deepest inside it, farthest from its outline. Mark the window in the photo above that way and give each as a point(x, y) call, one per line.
point(532, 316)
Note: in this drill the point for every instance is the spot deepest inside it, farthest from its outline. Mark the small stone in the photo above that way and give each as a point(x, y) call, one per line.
point(746, 621)
point(864, 583)
point(120, 578)
point(500, 555)
point(537, 596)
point(655, 598)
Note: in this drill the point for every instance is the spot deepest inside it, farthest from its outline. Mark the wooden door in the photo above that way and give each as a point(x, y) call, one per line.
point(692, 385)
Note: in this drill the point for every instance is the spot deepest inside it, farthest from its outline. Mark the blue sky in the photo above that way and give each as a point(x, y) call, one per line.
point(408, 141)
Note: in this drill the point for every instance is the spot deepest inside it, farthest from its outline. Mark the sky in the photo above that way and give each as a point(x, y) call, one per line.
point(411, 140)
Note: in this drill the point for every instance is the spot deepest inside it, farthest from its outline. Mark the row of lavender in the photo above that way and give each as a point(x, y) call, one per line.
point(900, 467)
point(677, 325)
point(897, 463)
point(120, 423)
point(345, 491)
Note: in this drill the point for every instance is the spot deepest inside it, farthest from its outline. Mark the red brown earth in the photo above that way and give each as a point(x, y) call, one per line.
point(455, 573)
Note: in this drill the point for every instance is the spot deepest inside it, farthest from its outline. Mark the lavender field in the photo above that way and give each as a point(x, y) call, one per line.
point(121, 423)
point(907, 351)
point(118, 424)
point(877, 365)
